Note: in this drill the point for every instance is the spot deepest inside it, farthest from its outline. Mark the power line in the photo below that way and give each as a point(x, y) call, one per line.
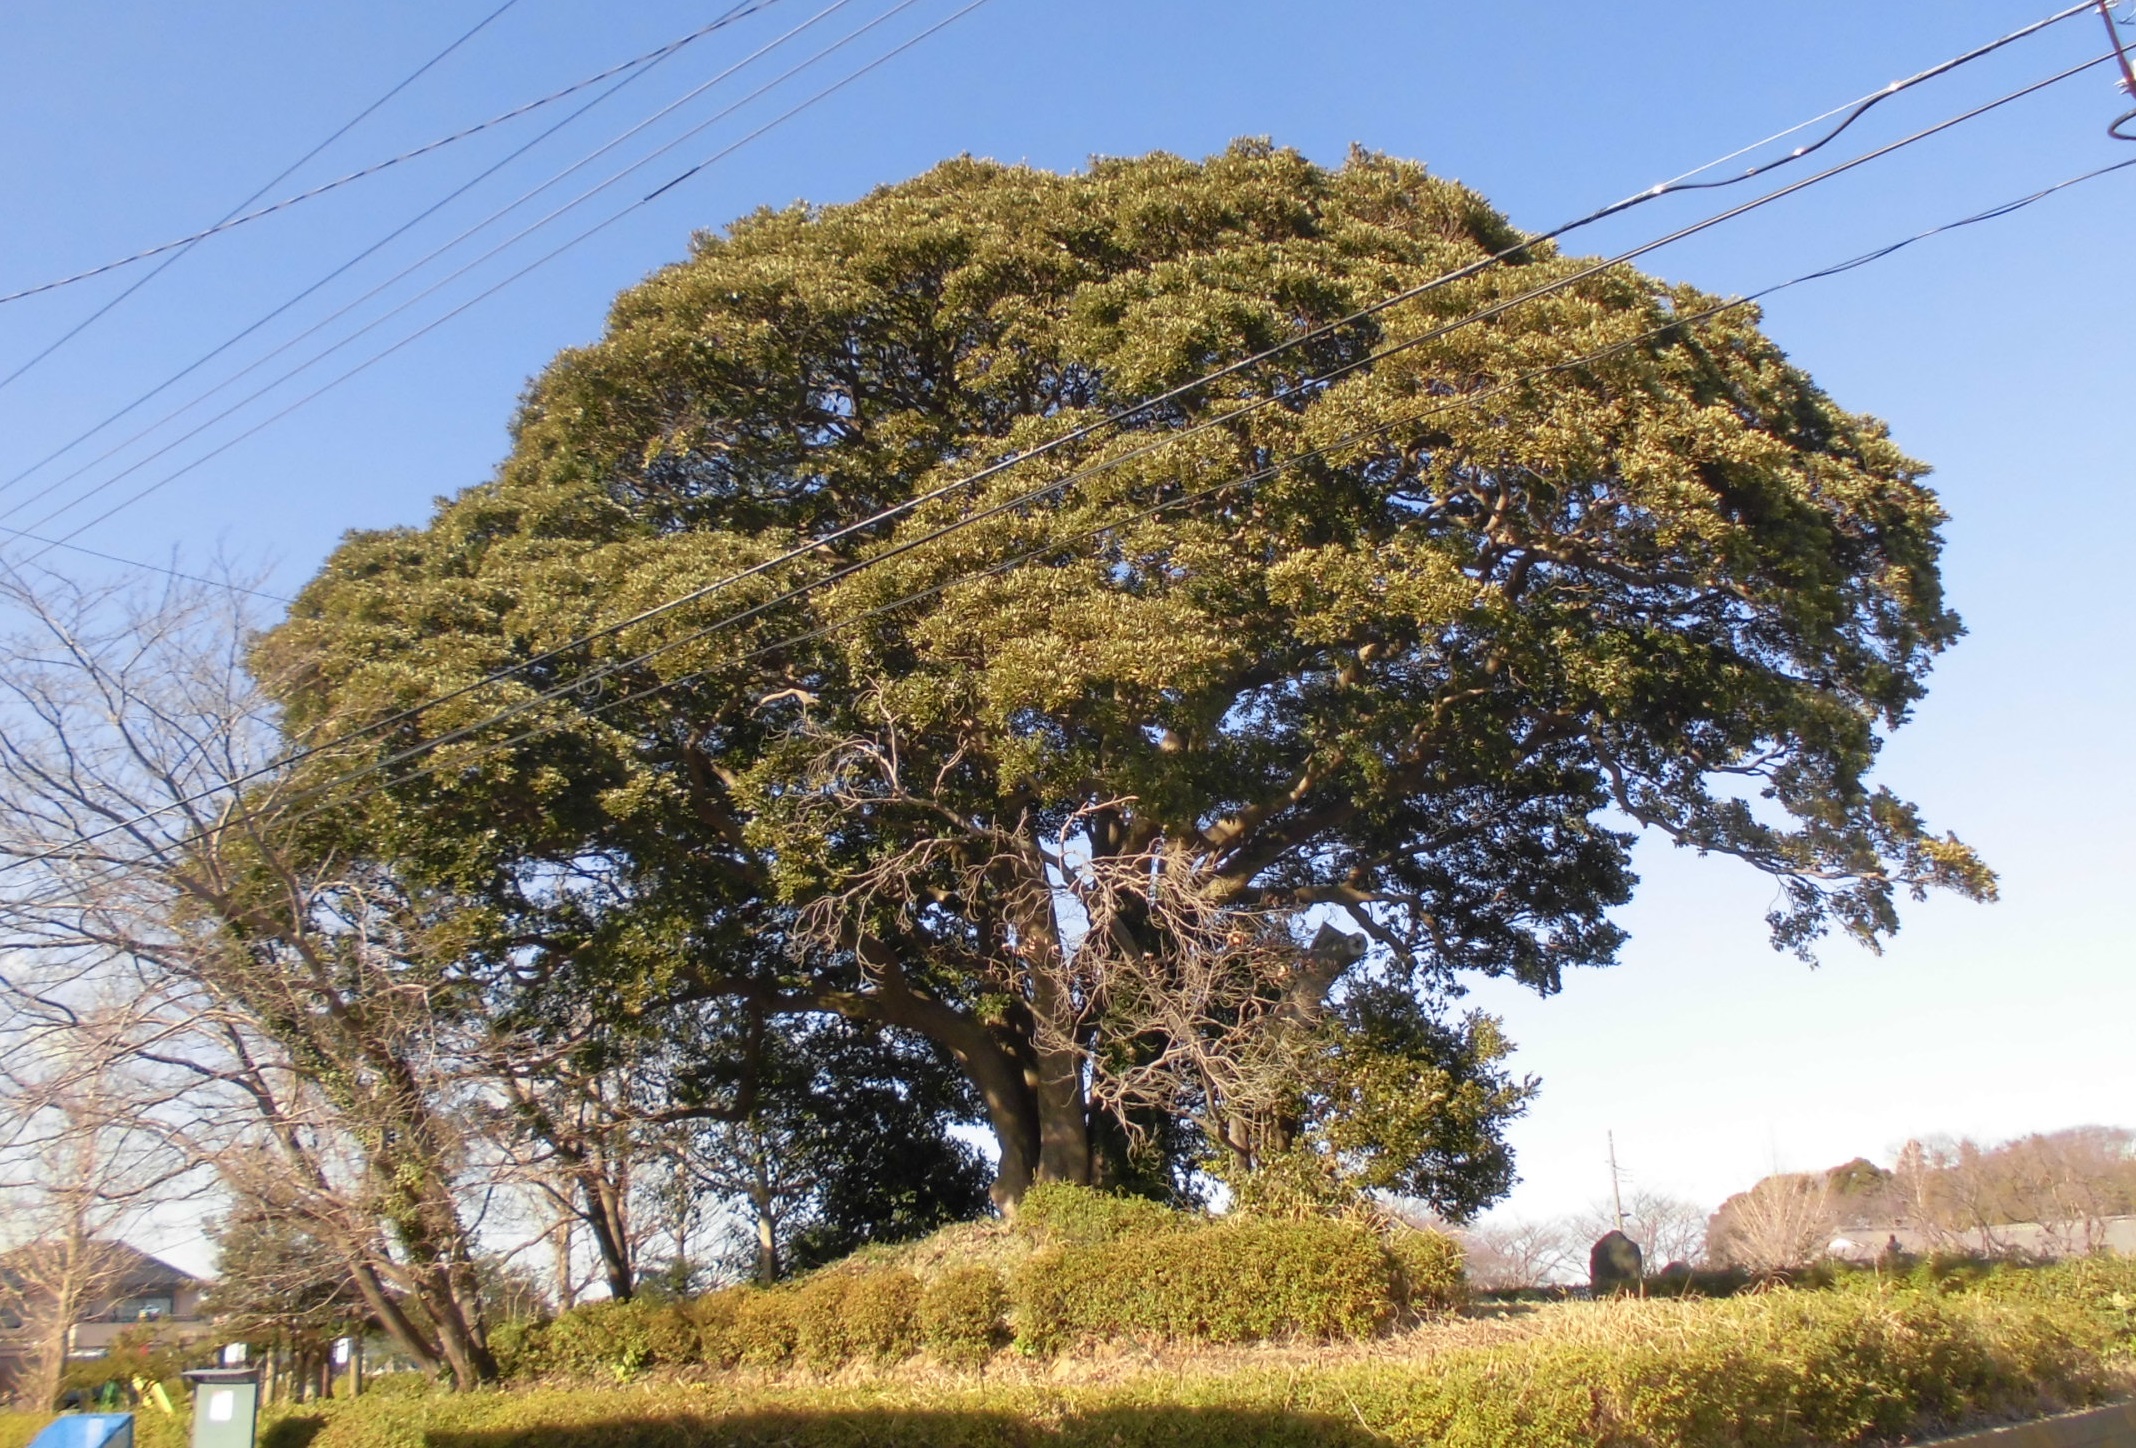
point(1854, 111)
point(1482, 314)
point(1024, 499)
point(636, 70)
point(1085, 430)
point(274, 181)
point(234, 220)
point(1674, 325)
point(137, 564)
point(1142, 450)
point(467, 267)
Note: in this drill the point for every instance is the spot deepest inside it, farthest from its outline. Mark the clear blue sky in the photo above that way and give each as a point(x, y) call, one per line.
point(2003, 354)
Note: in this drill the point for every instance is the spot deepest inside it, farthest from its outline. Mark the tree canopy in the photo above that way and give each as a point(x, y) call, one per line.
point(1406, 641)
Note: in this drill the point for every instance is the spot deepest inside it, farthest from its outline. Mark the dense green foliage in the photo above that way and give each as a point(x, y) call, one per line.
point(1078, 1266)
point(1060, 1215)
point(1228, 1282)
point(623, 1338)
point(964, 1315)
point(1502, 590)
point(828, 1135)
point(1866, 1359)
point(1784, 1369)
point(1430, 1276)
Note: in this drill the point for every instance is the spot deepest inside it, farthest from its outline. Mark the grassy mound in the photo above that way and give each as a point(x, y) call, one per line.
point(1774, 1370)
point(1078, 1266)
point(1859, 1361)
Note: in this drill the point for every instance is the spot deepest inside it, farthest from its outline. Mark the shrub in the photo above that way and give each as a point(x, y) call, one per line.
point(819, 1318)
point(1059, 1215)
point(717, 1316)
point(1289, 1185)
point(621, 1338)
point(1779, 1369)
point(413, 1384)
point(521, 1349)
point(763, 1331)
point(961, 1315)
point(1229, 1282)
point(141, 1352)
point(2100, 1289)
point(882, 1315)
point(1428, 1275)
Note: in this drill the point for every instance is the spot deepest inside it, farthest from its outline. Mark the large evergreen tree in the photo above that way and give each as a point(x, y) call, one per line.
point(1422, 681)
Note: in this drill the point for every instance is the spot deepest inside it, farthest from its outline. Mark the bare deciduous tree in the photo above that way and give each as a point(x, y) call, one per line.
point(295, 1002)
point(79, 1174)
point(1667, 1229)
point(2048, 1194)
point(1786, 1220)
point(1521, 1252)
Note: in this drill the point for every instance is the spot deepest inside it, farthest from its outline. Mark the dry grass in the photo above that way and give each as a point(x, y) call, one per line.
point(989, 1243)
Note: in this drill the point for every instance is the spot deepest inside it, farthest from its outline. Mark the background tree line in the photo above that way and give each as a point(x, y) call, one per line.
point(2044, 1195)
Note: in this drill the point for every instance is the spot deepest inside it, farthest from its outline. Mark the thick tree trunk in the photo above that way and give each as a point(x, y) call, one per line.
point(441, 1274)
point(1005, 1085)
point(767, 1235)
point(387, 1310)
point(605, 1216)
point(461, 1341)
point(1056, 1071)
point(1057, 1086)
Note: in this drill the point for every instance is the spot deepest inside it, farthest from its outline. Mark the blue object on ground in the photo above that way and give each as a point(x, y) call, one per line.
point(86, 1430)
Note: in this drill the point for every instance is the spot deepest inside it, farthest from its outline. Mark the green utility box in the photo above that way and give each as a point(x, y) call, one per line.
point(226, 1406)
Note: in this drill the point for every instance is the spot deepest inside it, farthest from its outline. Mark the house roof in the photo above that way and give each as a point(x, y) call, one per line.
point(134, 1272)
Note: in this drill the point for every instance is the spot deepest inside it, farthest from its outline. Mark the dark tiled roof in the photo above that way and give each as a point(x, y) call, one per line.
point(138, 1274)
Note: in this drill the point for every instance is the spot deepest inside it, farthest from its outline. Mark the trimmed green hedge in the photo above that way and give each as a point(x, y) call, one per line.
point(964, 1315)
point(1429, 1273)
point(1094, 1266)
point(1783, 1369)
point(1229, 1282)
point(622, 1338)
point(1055, 1214)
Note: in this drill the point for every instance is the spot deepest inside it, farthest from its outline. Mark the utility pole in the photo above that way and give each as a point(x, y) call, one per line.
point(1616, 1192)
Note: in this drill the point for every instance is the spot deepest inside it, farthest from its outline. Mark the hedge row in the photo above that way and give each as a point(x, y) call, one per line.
point(1112, 1269)
point(1778, 1370)
point(1244, 1282)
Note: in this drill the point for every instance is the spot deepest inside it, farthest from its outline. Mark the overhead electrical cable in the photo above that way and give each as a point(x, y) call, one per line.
point(277, 179)
point(1854, 111)
point(1141, 450)
point(597, 675)
point(635, 71)
point(1069, 479)
point(137, 565)
point(231, 222)
point(1243, 363)
point(484, 295)
point(1678, 324)
point(2128, 73)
